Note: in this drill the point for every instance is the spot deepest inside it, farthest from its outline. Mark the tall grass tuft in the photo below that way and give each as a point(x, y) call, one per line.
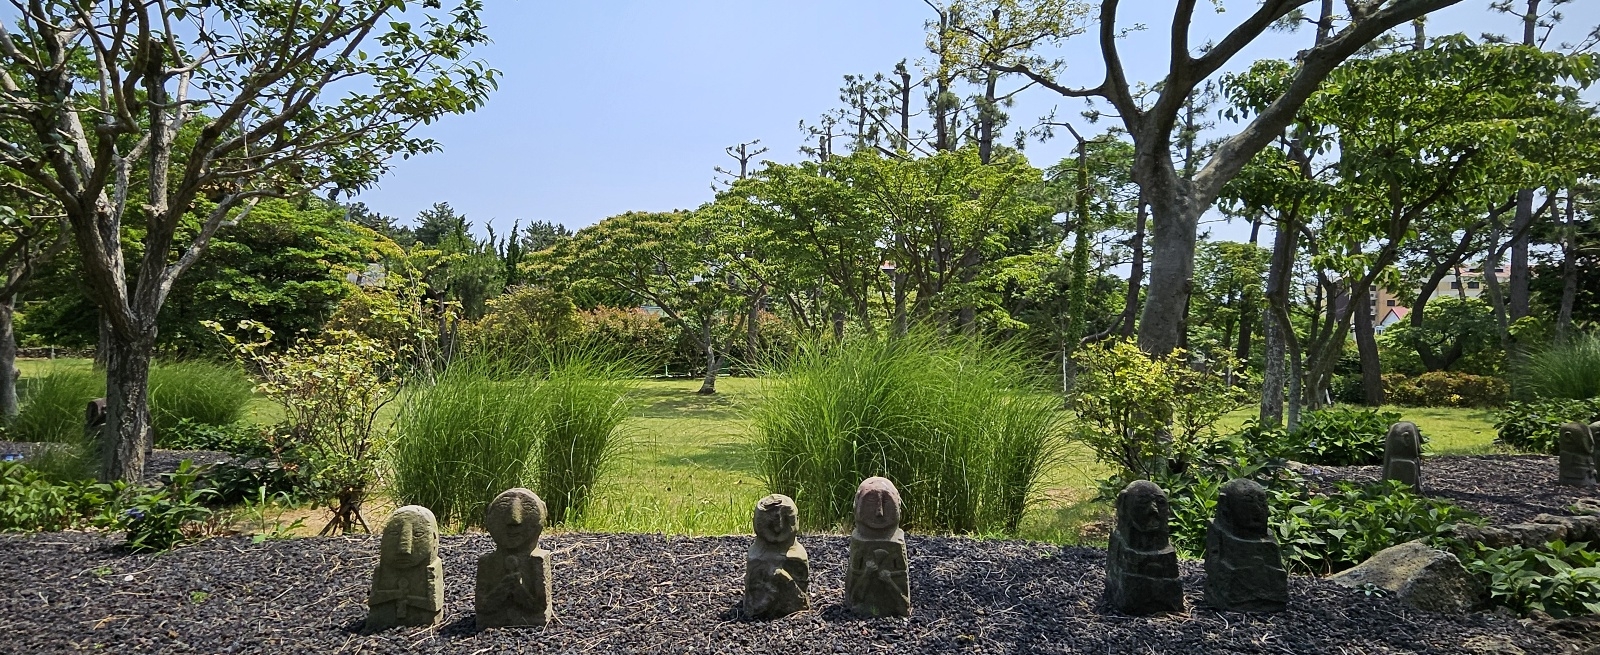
point(966, 431)
point(201, 392)
point(485, 426)
point(53, 405)
point(1565, 370)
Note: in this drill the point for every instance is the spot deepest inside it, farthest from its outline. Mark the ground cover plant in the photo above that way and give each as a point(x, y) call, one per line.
point(1559, 579)
point(954, 424)
point(1534, 426)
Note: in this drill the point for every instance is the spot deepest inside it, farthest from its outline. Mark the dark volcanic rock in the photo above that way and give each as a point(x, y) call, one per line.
point(67, 592)
point(1503, 488)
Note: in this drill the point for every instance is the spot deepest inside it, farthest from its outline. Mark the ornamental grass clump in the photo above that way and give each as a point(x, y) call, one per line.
point(965, 431)
point(1569, 370)
point(484, 426)
point(53, 405)
point(200, 392)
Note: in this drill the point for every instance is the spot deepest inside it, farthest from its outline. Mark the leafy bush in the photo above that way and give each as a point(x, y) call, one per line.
point(234, 482)
point(1341, 436)
point(1535, 427)
point(32, 502)
point(242, 438)
point(1142, 413)
point(1329, 533)
point(1445, 389)
point(962, 430)
point(1560, 580)
point(480, 429)
point(1568, 370)
point(53, 405)
point(199, 392)
point(166, 517)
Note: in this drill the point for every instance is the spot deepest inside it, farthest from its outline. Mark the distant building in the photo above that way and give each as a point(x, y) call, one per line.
point(374, 276)
point(1461, 283)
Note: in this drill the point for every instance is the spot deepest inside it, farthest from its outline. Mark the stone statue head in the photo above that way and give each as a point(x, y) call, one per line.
point(410, 538)
point(775, 519)
point(1404, 441)
point(1577, 439)
point(1142, 515)
point(515, 520)
point(1242, 508)
point(877, 507)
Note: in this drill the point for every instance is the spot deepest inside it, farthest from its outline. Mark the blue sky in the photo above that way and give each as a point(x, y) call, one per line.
point(608, 106)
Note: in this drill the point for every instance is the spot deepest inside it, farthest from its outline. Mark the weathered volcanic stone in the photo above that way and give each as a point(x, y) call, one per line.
point(1141, 565)
point(777, 574)
point(1244, 567)
point(408, 587)
point(1402, 454)
point(1576, 455)
point(513, 586)
point(1423, 577)
point(877, 583)
point(94, 414)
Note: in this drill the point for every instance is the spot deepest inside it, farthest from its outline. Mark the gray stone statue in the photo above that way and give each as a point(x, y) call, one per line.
point(1244, 567)
point(1576, 448)
point(513, 587)
point(408, 587)
point(877, 583)
point(1402, 454)
point(777, 574)
point(1141, 565)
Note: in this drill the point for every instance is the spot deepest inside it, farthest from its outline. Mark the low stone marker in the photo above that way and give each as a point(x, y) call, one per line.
point(1402, 454)
point(877, 583)
point(94, 415)
point(777, 574)
point(1419, 576)
point(408, 587)
point(513, 585)
point(1576, 448)
point(1244, 566)
point(1141, 565)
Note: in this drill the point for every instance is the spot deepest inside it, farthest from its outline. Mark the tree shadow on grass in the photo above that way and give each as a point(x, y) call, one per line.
point(725, 455)
point(672, 404)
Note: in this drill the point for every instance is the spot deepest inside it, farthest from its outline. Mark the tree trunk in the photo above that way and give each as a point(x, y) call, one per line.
point(1171, 270)
point(713, 361)
point(1367, 347)
point(1278, 328)
point(1130, 306)
point(899, 304)
point(127, 438)
point(8, 359)
point(1569, 273)
point(1518, 284)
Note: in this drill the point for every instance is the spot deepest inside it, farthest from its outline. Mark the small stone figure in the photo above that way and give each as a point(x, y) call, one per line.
point(513, 586)
point(1141, 565)
point(1244, 567)
point(878, 583)
point(1402, 454)
point(777, 575)
point(408, 588)
point(1577, 455)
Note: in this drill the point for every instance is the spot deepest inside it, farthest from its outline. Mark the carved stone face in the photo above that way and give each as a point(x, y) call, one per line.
point(410, 538)
point(1142, 510)
point(878, 504)
point(775, 519)
point(1242, 507)
point(1577, 443)
point(1404, 441)
point(515, 520)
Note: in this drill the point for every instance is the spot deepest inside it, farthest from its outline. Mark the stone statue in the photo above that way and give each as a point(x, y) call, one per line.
point(877, 583)
point(1244, 568)
point(777, 575)
point(513, 587)
point(1402, 454)
point(408, 588)
point(1577, 455)
point(1141, 565)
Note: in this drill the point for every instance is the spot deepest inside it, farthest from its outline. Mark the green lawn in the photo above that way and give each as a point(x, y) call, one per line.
point(690, 466)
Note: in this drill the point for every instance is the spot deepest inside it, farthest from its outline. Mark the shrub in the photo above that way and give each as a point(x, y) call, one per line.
point(1536, 426)
point(53, 405)
point(960, 428)
point(166, 517)
point(1446, 389)
point(241, 438)
point(644, 337)
point(31, 502)
point(482, 428)
point(199, 392)
point(1568, 370)
point(1341, 437)
point(1560, 580)
point(1329, 533)
point(1143, 414)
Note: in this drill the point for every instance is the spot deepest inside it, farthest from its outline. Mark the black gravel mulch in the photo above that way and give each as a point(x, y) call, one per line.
point(1502, 488)
point(160, 461)
point(66, 592)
